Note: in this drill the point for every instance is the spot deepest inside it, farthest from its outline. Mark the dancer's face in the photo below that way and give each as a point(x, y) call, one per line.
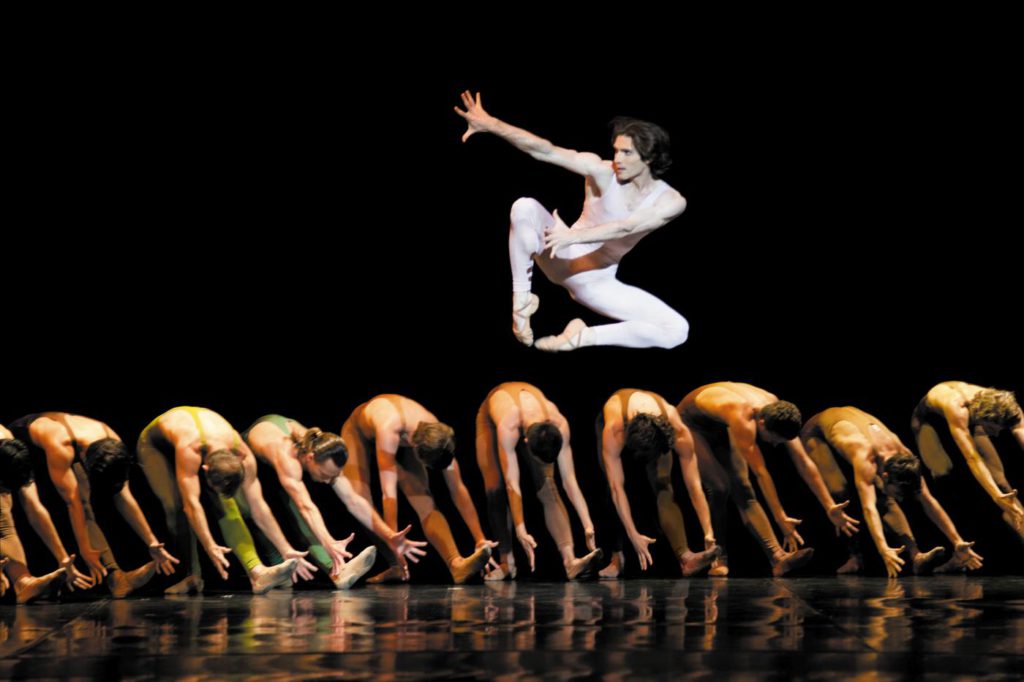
point(991, 429)
point(322, 472)
point(628, 163)
point(892, 491)
point(767, 436)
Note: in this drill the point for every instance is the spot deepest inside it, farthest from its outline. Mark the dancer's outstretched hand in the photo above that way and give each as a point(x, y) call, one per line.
point(477, 119)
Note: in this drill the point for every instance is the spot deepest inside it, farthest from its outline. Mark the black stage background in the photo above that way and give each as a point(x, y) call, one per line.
point(301, 232)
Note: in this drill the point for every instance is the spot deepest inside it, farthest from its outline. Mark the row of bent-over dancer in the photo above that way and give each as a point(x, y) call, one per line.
point(198, 465)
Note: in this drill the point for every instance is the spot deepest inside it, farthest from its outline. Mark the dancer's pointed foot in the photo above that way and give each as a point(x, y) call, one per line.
point(578, 568)
point(855, 564)
point(266, 578)
point(790, 561)
point(925, 562)
point(191, 584)
point(123, 583)
point(524, 305)
point(28, 587)
point(393, 574)
point(355, 569)
point(692, 563)
point(954, 565)
point(575, 335)
point(613, 571)
point(719, 568)
point(462, 569)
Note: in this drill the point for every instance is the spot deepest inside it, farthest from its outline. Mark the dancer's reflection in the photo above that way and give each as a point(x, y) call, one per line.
point(638, 617)
point(574, 622)
point(688, 605)
point(349, 627)
point(719, 589)
point(21, 626)
point(781, 625)
point(887, 625)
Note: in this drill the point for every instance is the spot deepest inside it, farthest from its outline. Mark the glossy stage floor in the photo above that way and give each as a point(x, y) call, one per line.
point(815, 628)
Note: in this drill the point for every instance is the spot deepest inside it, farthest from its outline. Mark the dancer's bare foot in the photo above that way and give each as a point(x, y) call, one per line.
point(695, 562)
point(954, 565)
point(191, 584)
point(855, 564)
point(28, 587)
point(266, 578)
point(613, 571)
point(389, 575)
point(719, 568)
point(925, 562)
point(790, 561)
point(580, 567)
point(462, 569)
point(123, 583)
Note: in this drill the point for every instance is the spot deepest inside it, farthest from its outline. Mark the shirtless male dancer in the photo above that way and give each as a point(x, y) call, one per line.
point(84, 458)
point(971, 416)
point(646, 429)
point(884, 473)
point(16, 476)
point(517, 426)
point(728, 419)
point(407, 439)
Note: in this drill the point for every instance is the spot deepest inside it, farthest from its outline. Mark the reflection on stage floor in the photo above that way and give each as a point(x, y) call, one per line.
point(739, 628)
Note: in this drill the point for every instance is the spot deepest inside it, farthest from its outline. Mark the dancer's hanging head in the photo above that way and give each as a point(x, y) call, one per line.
point(107, 462)
point(544, 441)
point(324, 446)
point(223, 472)
point(781, 419)
point(15, 464)
point(648, 436)
point(901, 475)
point(324, 454)
point(434, 444)
point(995, 407)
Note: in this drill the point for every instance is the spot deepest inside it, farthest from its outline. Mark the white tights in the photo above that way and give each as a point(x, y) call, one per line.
point(647, 321)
